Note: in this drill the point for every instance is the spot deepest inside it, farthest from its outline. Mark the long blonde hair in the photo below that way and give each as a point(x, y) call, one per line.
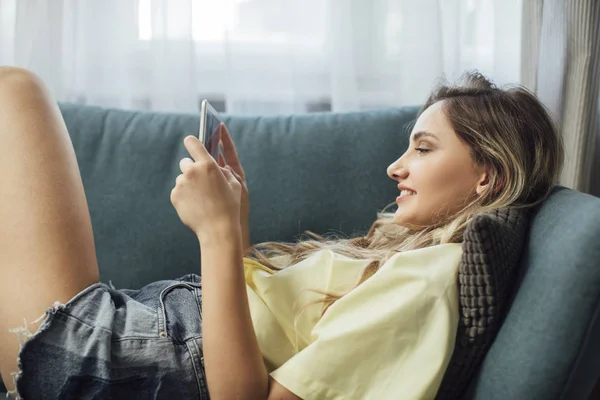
point(508, 130)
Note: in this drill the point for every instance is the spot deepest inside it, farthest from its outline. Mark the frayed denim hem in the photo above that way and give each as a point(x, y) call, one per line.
point(24, 335)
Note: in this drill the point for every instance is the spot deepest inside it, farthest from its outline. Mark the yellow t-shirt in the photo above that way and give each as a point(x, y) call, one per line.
point(390, 338)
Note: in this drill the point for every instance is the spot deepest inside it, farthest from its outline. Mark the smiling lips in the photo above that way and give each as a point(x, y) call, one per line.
point(405, 192)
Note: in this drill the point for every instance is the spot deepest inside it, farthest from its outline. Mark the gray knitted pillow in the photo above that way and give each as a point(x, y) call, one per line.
point(492, 246)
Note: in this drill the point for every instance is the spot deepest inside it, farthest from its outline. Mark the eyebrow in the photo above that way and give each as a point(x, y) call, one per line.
point(420, 134)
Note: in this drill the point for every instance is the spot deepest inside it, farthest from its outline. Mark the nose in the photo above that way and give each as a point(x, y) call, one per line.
point(397, 170)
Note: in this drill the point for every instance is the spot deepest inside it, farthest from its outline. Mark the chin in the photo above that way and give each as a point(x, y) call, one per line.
point(407, 222)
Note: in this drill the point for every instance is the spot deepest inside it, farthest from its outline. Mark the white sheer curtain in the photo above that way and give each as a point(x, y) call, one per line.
point(258, 56)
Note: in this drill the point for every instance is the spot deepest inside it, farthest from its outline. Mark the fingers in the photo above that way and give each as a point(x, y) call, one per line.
point(185, 164)
point(229, 175)
point(196, 149)
point(229, 148)
point(237, 176)
point(221, 160)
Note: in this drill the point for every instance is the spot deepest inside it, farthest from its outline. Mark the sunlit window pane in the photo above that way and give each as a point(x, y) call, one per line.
point(145, 19)
point(241, 21)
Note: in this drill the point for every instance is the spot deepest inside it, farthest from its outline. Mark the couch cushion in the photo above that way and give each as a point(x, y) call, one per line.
point(547, 347)
point(492, 248)
point(317, 172)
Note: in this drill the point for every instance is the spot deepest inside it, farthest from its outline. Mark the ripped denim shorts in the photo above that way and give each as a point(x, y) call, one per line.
point(118, 344)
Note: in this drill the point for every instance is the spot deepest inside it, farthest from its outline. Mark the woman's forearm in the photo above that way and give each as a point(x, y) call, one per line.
point(232, 357)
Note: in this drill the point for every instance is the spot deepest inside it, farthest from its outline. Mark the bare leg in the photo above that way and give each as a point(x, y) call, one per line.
point(47, 251)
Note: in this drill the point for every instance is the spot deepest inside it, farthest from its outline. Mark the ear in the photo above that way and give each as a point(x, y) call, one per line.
point(483, 184)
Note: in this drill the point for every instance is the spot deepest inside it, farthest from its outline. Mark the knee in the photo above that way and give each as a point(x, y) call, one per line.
point(15, 81)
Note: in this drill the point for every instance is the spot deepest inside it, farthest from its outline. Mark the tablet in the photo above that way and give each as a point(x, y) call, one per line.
point(209, 132)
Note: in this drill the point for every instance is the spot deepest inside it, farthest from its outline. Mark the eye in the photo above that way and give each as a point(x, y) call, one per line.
point(422, 150)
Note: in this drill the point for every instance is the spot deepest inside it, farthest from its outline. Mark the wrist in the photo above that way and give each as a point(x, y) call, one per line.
point(245, 237)
point(229, 233)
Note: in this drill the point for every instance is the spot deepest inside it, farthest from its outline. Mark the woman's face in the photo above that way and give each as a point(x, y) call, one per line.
point(436, 176)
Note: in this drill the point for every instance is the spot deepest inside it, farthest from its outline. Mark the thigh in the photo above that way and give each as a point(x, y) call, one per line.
point(47, 251)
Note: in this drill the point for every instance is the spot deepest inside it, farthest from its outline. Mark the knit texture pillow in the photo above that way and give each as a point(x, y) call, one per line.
point(492, 246)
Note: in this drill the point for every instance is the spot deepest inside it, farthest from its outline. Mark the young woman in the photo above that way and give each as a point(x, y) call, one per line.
point(372, 317)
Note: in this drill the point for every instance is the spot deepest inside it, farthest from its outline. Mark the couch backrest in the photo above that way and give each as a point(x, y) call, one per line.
point(321, 172)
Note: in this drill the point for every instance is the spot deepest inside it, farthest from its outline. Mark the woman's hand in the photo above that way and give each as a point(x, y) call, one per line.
point(234, 165)
point(206, 196)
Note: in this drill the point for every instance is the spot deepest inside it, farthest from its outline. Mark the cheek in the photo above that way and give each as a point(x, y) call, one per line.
point(437, 174)
point(448, 184)
point(447, 177)
point(442, 187)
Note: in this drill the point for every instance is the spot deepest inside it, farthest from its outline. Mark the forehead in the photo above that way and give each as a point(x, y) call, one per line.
point(434, 120)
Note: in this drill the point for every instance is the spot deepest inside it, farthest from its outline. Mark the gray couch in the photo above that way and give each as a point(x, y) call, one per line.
point(327, 172)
